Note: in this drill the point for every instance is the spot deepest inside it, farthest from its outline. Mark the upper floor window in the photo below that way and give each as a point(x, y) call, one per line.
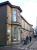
point(18, 13)
point(14, 15)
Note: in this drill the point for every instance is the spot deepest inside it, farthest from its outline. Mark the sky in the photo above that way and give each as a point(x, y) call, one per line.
point(29, 9)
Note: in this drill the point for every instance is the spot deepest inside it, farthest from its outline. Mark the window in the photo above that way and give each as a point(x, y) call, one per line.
point(15, 34)
point(14, 18)
point(18, 13)
point(14, 15)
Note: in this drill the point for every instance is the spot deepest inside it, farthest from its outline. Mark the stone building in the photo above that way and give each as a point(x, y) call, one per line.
point(27, 29)
point(13, 27)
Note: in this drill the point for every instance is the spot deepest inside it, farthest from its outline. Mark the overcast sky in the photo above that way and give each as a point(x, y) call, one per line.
point(29, 9)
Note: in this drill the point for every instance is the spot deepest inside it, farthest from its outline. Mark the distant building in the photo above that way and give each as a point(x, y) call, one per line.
point(13, 27)
point(35, 31)
point(36, 20)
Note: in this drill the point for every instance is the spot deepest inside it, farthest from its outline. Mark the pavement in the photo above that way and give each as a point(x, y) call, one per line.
point(31, 45)
point(21, 46)
point(34, 45)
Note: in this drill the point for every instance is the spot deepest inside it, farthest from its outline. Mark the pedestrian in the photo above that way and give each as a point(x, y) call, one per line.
point(30, 38)
point(26, 39)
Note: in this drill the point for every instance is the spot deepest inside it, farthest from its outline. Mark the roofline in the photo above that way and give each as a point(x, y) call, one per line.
point(12, 6)
point(26, 20)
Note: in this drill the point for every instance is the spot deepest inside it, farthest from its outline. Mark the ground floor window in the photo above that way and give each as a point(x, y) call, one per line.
point(16, 33)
